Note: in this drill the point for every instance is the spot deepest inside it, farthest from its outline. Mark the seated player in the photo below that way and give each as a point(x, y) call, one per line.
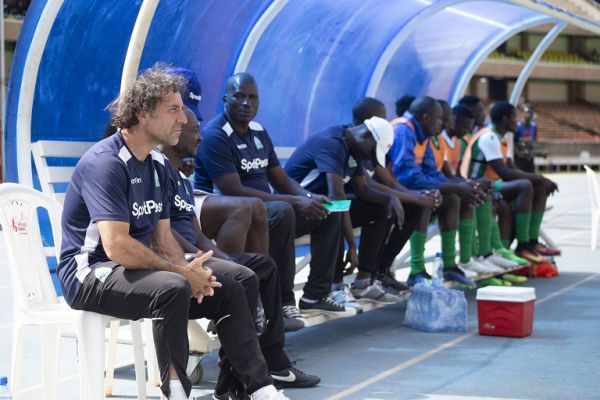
point(260, 276)
point(327, 161)
point(446, 151)
point(237, 224)
point(528, 191)
point(413, 164)
point(237, 158)
point(417, 204)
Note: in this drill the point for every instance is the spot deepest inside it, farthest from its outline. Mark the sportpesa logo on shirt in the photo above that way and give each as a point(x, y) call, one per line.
point(181, 204)
point(146, 208)
point(257, 163)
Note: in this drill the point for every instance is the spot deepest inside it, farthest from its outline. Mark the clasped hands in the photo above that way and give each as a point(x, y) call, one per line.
point(201, 278)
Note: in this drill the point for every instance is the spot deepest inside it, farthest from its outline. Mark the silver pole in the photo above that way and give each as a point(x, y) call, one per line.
point(136, 43)
point(535, 57)
point(2, 92)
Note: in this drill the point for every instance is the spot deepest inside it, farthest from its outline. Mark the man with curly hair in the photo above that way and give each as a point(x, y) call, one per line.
point(118, 254)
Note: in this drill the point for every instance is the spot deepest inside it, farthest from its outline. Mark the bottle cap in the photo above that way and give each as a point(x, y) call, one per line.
point(438, 254)
point(3, 381)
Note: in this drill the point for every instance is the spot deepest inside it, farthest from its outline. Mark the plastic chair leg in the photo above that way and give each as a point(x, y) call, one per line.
point(153, 372)
point(595, 228)
point(17, 352)
point(198, 338)
point(110, 360)
point(138, 357)
point(50, 348)
point(91, 355)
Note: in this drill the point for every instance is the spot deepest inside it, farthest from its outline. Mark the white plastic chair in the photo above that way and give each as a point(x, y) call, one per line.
point(594, 189)
point(35, 302)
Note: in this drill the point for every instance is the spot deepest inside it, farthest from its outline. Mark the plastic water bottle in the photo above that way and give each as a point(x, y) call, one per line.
point(4, 391)
point(437, 278)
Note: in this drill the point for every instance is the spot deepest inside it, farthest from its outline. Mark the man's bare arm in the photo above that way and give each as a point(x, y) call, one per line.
point(165, 244)
point(132, 254)
point(231, 185)
point(129, 252)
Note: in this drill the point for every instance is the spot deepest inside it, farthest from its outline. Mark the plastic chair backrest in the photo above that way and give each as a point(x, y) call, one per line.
point(30, 276)
point(594, 186)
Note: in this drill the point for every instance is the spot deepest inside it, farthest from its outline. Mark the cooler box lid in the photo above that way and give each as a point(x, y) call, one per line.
point(504, 293)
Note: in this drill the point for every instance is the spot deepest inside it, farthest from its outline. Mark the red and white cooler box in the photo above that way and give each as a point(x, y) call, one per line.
point(505, 310)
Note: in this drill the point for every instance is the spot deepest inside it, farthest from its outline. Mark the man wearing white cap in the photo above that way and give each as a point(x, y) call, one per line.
point(329, 160)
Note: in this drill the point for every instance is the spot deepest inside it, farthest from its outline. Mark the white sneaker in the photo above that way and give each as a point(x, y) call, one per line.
point(374, 293)
point(344, 297)
point(501, 262)
point(268, 393)
point(476, 266)
point(469, 273)
point(493, 268)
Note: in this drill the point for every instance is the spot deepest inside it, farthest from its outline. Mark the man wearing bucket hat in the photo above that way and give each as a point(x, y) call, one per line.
point(329, 160)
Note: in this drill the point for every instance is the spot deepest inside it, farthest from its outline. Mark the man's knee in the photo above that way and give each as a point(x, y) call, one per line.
point(333, 220)
point(241, 209)
point(379, 212)
point(525, 187)
point(451, 201)
point(280, 212)
point(175, 287)
point(232, 289)
point(266, 265)
point(258, 209)
point(252, 283)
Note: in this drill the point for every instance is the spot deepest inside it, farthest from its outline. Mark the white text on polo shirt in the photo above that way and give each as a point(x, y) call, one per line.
point(146, 208)
point(257, 163)
point(181, 204)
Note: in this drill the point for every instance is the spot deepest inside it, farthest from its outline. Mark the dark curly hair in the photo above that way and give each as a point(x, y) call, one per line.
point(151, 87)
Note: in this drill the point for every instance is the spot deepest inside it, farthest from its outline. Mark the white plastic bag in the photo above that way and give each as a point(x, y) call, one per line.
point(436, 309)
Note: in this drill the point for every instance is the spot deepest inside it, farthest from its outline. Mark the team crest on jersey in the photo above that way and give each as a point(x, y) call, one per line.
point(258, 143)
point(352, 162)
point(156, 180)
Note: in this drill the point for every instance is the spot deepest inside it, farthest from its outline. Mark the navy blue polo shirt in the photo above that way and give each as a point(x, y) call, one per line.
point(223, 150)
point(182, 206)
point(109, 184)
point(322, 153)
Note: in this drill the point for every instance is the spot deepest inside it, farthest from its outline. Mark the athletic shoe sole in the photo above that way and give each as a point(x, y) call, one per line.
point(317, 311)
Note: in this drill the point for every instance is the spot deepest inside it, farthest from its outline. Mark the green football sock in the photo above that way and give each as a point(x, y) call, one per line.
point(417, 252)
point(495, 239)
point(475, 247)
point(449, 248)
point(484, 226)
point(535, 224)
point(465, 239)
point(523, 221)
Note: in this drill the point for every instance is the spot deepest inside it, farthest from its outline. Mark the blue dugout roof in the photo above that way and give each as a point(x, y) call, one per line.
point(312, 58)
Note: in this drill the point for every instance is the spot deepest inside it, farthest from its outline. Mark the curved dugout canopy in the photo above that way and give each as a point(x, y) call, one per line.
point(312, 58)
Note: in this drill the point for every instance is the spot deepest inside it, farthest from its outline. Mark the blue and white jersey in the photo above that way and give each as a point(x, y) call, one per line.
point(109, 183)
point(225, 151)
point(182, 206)
point(322, 153)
